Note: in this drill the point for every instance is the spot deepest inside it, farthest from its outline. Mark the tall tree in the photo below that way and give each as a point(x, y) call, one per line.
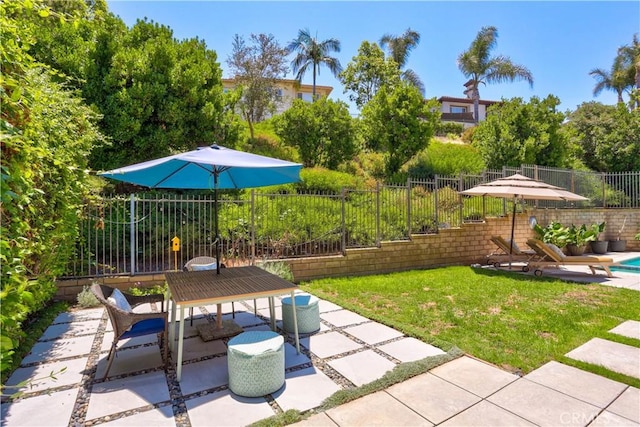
point(615, 80)
point(157, 95)
point(367, 73)
point(399, 123)
point(630, 56)
point(480, 67)
point(399, 48)
point(313, 53)
point(322, 131)
point(518, 132)
point(257, 67)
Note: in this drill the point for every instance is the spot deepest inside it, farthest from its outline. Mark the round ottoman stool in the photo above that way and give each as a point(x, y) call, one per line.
point(255, 360)
point(307, 313)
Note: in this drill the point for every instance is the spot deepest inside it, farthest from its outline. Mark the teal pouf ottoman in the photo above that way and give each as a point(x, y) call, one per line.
point(255, 360)
point(307, 313)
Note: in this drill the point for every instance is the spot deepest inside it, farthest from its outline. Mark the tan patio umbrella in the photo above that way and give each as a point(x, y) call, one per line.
point(519, 187)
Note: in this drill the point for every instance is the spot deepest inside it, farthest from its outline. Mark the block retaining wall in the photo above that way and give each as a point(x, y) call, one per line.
point(467, 245)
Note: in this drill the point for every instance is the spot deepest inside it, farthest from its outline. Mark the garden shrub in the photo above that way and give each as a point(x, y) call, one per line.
point(47, 133)
point(449, 128)
point(86, 298)
point(445, 159)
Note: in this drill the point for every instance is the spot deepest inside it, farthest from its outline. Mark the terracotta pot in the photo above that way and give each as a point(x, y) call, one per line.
point(576, 250)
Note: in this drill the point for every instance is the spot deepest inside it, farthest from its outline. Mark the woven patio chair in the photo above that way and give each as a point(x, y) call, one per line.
point(129, 324)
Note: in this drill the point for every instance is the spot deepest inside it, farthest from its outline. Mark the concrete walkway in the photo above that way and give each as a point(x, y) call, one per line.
point(348, 351)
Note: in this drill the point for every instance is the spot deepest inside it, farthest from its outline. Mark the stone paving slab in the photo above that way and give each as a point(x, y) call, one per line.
point(473, 375)
point(131, 360)
point(486, 414)
point(107, 341)
point(630, 329)
point(292, 357)
point(160, 417)
point(343, 318)
point(432, 397)
point(377, 409)
point(59, 349)
point(583, 385)
point(39, 378)
point(118, 395)
point(230, 410)
point(79, 315)
point(329, 344)
point(52, 409)
point(627, 405)
point(317, 420)
point(204, 375)
point(373, 332)
point(409, 349)
point(542, 405)
point(362, 367)
point(67, 329)
point(617, 357)
point(608, 419)
point(326, 306)
point(305, 389)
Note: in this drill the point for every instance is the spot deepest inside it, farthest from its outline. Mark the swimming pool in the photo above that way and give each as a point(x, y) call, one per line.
point(631, 265)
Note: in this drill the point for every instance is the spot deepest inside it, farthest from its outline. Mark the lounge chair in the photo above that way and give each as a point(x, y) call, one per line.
point(552, 256)
point(502, 255)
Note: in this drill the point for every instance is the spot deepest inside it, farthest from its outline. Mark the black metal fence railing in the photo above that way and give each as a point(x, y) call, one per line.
point(132, 234)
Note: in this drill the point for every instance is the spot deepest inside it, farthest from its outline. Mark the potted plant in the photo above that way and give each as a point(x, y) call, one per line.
point(554, 233)
point(618, 245)
point(598, 246)
point(578, 238)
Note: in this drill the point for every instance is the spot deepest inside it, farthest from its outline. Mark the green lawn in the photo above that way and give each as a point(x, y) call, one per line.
point(516, 322)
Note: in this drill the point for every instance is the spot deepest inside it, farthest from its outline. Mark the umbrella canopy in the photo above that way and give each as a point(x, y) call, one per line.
point(201, 168)
point(521, 187)
point(211, 167)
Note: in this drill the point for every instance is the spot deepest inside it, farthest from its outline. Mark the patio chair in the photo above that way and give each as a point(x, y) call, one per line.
point(552, 256)
point(200, 263)
point(502, 255)
point(129, 324)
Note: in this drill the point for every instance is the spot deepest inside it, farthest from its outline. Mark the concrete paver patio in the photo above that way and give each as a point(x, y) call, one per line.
point(349, 350)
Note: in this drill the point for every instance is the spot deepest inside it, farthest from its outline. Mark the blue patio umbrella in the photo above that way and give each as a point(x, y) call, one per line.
point(211, 167)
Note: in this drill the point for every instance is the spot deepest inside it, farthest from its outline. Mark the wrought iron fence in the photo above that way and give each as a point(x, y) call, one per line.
point(132, 234)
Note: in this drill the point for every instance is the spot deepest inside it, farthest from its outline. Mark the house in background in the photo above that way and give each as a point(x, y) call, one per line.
point(288, 90)
point(460, 110)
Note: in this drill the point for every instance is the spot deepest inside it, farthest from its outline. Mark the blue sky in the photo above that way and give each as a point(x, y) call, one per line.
point(560, 42)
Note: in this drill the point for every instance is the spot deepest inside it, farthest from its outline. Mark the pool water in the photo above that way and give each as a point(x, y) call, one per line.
point(631, 266)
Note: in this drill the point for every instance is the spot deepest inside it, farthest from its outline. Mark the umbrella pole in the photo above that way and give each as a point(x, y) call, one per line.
point(513, 226)
point(215, 214)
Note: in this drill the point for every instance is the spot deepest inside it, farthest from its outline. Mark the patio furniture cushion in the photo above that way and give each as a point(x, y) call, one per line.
point(307, 314)
point(255, 361)
point(118, 299)
point(201, 267)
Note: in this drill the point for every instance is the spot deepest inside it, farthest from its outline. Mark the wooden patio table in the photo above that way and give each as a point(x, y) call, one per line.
point(196, 288)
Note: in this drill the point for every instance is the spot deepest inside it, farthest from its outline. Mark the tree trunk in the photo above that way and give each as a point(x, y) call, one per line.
point(313, 93)
point(476, 104)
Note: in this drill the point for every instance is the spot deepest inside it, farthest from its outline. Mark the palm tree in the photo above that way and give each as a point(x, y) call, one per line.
point(399, 48)
point(312, 52)
point(477, 65)
point(629, 55)
point(615, 80)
